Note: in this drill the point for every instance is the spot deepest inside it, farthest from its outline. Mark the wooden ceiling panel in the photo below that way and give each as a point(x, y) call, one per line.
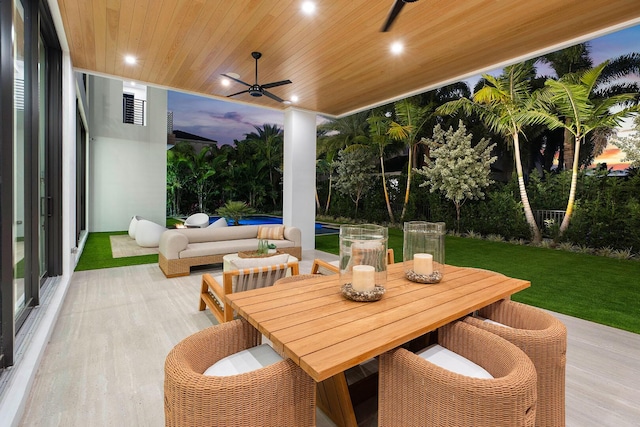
point(338, 59)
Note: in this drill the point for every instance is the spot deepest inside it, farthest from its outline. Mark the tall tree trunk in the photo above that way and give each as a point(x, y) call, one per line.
point(406, 193)
point(528, 213)
point(326, 207)
point(569, 158)
point(572, 191)
point(386, 193)
point(317, 201)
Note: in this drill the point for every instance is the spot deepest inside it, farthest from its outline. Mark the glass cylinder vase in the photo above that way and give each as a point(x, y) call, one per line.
point(363, 256)
point(423, 251)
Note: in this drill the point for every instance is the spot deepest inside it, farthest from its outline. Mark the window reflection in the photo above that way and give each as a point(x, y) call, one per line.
point(18, 159)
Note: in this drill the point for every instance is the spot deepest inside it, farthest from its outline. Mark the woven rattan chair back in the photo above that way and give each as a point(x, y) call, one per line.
point(544, 339)
point(279, 395)
point(415, 392)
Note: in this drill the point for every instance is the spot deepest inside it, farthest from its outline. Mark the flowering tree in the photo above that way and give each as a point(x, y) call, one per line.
point(458, 170)
point(355, 170)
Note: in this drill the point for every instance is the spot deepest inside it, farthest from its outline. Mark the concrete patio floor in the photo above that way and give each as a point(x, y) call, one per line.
point(104, 362)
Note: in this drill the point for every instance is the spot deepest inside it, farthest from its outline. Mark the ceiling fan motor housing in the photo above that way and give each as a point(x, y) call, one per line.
point(255, 90)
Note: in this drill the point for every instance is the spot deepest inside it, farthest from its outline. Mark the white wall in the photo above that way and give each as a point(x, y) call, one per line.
point(127, 163)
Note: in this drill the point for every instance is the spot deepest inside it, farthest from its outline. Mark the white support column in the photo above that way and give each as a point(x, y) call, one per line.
point(299, 208)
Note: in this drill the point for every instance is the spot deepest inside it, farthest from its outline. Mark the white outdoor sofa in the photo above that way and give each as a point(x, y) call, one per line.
point(183, 248)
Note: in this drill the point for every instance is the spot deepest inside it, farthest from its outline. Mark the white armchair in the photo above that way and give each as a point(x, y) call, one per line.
point(148, 233)
point(199, 220)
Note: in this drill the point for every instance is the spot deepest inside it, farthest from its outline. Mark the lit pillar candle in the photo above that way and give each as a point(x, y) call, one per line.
point(363, 278)
point(423, 264)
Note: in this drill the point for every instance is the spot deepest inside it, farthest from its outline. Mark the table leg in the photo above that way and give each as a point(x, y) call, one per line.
point(334, 400)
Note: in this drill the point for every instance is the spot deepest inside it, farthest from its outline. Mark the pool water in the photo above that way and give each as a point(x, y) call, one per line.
point(266, 220)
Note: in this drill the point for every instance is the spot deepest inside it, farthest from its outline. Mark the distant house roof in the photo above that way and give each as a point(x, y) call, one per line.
point(186, 136)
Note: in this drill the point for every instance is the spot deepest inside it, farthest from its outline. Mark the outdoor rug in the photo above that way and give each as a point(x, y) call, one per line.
point(124, 246)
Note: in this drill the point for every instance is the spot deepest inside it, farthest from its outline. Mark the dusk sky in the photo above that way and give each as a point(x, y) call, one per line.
point(227, 121)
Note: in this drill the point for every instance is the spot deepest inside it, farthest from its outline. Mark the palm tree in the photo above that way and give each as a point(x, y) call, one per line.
point(201, 166)
point(576, 59)
point(503, 104)
point(568, 104)
point(411, 118)
point(378, 128)
point(268, 143)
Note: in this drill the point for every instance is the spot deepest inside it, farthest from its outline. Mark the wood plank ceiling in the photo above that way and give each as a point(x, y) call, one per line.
point(338, 59)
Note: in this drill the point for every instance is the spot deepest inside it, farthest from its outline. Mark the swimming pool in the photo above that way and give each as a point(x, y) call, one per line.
point(265, 220)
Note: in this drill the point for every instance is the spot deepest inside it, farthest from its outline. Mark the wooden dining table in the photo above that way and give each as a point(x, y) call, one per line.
point(311, 322)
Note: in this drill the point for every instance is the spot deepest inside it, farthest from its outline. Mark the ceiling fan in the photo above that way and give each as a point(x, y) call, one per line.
point(393, 13)
point(257, 89)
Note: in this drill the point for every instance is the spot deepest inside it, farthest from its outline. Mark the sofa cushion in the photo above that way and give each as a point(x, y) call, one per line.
point(217, 234)
point(219, 248)
point(271, 232)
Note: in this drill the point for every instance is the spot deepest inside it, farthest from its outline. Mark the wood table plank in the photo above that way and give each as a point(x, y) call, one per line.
point(314, 325)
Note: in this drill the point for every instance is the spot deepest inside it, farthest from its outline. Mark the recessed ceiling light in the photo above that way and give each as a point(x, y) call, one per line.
point(129, 59)
point(397, 48)
point(225, 82)
point(308, 7)
point(294, 98)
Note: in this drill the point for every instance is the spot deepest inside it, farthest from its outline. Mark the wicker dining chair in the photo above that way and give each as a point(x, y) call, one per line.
point(544, 339)
point(214, 289)
point(416, 392)
point(277, 395)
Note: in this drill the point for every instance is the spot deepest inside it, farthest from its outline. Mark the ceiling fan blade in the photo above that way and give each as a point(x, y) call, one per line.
point(272, 96)
point(237, 93)
point(274, 84)
point(236, 80)
point(393, 14)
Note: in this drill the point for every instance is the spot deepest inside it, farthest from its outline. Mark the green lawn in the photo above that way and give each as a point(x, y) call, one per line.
point(97, 254)
point(599, 289)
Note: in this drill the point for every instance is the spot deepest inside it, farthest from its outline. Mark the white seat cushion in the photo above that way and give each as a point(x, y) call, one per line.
point(244, 361)
point(493, 322)
point(453, 362)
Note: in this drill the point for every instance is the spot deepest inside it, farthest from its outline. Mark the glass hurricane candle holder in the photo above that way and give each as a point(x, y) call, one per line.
point(423, 251)
point(363, 256)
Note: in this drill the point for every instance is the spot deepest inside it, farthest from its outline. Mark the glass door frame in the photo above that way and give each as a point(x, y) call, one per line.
point(38, 22)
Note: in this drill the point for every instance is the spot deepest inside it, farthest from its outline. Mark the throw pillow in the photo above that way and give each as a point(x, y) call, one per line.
point(271, 233)
point(220, 222)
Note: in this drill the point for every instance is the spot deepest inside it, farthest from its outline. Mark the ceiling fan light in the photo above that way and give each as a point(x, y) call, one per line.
point(397, 48)
point(308, 7)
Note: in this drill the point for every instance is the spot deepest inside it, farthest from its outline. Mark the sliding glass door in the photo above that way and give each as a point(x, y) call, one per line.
point(30, 162)
point(19, 159)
